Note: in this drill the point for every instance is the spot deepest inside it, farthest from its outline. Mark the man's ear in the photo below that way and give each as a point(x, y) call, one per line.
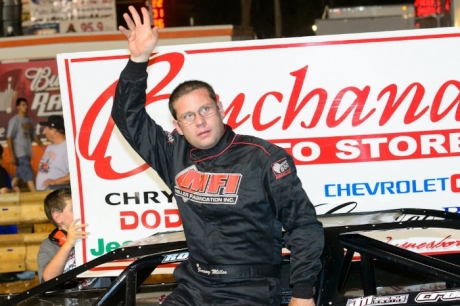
point(220, 107)
point(176, 125)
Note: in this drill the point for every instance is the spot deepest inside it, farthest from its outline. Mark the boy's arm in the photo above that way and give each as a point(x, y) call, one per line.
point(56, 266)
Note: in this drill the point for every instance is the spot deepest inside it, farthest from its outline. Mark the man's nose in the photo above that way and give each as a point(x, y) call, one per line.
point(199, 119)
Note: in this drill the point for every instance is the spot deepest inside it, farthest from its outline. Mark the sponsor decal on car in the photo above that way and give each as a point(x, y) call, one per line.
point(431, 297)
point(379, 300)
point(175, 257)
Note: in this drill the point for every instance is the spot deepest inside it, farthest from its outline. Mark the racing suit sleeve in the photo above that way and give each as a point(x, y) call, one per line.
point(147, 138)
point(304, 235)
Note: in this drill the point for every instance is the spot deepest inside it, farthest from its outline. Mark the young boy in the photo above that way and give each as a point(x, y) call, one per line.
point(57, 253)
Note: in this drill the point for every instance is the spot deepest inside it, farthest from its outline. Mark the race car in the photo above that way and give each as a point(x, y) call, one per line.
point(393, 257)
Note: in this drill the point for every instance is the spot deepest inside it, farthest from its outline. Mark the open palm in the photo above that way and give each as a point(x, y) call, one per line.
point(142, 38)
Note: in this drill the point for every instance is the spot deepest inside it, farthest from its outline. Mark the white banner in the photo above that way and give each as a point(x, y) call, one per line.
point(370, 119)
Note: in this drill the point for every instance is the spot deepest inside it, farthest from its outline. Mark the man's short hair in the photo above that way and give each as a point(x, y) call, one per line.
point(56, 202)
point(184, 89)
point(19, 100)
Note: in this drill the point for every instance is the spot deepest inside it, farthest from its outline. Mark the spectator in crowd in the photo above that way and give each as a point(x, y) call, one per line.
point(19, 136)
point(57, 252)
point(5, 179)
point(53, 169)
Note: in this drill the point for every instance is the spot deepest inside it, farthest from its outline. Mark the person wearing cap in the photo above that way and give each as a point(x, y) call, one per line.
point(19, 136)
point(53, 169)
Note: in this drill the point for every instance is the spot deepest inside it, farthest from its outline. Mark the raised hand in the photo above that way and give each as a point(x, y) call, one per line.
point(74, 232)
point(142, 38)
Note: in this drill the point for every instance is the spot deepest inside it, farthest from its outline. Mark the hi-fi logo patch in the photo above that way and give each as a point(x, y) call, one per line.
point(281, 168)
point(207, 188)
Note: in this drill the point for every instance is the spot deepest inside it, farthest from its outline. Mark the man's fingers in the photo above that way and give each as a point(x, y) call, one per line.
point(135, 14)
point(125, 31)
point(129, 21)
point(145, 16)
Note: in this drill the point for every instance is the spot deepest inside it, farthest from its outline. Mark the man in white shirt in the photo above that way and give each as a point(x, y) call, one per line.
point(53, 169)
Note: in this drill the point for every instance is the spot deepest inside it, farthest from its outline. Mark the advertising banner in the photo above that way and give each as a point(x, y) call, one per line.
point(38, 82)
point(51, 17)
point(372, 121)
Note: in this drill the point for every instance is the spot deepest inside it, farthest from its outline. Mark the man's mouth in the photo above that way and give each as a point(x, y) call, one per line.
point(204, 133)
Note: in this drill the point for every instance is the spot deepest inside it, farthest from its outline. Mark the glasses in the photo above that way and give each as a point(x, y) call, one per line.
point(204, 111)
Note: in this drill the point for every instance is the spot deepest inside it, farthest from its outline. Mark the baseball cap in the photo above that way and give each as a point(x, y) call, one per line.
point(54, 121)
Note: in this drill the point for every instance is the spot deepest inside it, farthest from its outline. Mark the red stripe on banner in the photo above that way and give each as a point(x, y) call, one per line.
point(77, 160)
point(373, 148)
point(99, 58)
point(324, 43)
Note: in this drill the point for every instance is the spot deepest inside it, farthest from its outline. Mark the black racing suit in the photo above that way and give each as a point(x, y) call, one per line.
point(233, 199)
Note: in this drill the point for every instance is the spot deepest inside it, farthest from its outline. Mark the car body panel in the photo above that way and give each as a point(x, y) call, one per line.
point(360, 266)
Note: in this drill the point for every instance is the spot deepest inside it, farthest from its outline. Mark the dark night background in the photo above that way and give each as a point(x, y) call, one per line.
point(297, 15)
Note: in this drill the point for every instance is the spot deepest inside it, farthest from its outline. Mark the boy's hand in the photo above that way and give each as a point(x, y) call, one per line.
point(74, 232)
point(142, 38)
